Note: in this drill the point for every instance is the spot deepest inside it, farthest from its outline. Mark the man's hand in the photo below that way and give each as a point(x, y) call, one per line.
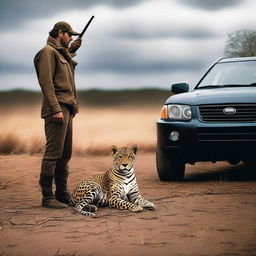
point(58, 118)
point(74, 46)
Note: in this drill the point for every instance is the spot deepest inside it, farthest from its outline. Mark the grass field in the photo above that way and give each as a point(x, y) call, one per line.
point(124, 123)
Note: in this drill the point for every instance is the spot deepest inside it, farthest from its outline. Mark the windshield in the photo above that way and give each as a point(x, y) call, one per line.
point(241, 73)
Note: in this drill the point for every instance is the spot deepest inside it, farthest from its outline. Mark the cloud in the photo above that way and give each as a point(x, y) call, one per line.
point(129, 44)
point(12, 67)
point(124, 61)
point(193, 33)
point(134, 66)
point(211, 5)
point(14, 13)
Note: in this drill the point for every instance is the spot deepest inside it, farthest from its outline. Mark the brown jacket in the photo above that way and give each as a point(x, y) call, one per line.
point(55, 73)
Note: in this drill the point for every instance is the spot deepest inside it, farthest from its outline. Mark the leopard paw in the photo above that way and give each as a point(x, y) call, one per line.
point(90, 208)
point(137, 208)
point(149, 206)
point(85, 213)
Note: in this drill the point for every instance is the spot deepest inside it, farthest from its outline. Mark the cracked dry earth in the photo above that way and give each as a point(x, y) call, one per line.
point(211, 213)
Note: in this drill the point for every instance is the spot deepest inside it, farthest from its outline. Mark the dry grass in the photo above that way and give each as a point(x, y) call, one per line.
point(95, 129)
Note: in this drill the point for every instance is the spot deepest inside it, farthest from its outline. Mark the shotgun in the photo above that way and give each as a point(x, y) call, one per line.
point(85, 28)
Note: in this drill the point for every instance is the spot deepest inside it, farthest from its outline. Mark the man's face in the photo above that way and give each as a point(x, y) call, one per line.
point(65, 39)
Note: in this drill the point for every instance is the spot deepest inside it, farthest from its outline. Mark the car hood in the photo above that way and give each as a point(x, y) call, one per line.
point(215, 96)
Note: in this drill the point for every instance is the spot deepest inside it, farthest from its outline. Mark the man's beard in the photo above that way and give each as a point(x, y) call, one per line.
point(64, 44)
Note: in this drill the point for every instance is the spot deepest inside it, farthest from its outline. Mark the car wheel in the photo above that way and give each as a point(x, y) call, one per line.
point(169, 167)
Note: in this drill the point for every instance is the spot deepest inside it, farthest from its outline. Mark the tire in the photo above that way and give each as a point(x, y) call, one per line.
point(169, 167)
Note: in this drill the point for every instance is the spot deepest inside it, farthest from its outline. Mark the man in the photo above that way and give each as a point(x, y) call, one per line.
point(55, 71)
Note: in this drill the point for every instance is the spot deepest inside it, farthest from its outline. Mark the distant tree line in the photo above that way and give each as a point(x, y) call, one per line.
point(241, 43)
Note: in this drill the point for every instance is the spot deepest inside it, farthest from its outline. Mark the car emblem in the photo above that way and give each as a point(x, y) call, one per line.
point(229, 111)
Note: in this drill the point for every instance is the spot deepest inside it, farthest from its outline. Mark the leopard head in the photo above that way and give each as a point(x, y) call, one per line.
point(124, 158)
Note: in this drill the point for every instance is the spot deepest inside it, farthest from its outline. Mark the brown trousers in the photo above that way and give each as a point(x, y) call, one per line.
point(58, 149)
point(58, 137)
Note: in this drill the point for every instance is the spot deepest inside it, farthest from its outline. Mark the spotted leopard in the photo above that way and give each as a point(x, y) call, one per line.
point(116, 188)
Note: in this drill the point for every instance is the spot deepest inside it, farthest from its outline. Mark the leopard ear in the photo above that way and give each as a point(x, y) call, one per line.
point(135, 149)
point(114, 149)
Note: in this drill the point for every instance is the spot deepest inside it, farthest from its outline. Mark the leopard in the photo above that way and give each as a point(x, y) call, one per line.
point(115, 188)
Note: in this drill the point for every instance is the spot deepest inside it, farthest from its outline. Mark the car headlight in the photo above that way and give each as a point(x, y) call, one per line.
point(176, 112)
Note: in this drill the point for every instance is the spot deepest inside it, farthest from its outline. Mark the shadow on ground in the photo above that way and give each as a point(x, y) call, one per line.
point(220, 172)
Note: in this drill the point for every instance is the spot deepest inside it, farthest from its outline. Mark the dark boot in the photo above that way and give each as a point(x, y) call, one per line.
point(46, 180)
point(61, 179)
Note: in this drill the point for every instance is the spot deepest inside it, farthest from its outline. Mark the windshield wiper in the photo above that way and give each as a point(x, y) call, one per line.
point(239, 85)
point(225, 85)
point(210, 87)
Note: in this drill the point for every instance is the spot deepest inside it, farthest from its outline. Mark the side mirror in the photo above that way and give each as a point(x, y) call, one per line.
point(180, 88)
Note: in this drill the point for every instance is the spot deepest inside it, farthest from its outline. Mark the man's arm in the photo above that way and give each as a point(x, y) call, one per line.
point(45, 66)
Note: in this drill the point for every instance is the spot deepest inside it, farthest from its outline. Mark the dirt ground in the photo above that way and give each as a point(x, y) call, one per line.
point(211, 213)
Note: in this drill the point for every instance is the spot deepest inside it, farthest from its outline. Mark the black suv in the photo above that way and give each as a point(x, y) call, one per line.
point(215, 121)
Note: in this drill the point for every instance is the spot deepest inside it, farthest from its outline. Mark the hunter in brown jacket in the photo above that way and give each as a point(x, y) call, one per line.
point(55, 72)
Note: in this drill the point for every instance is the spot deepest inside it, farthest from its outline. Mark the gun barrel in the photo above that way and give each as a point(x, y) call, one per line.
point(86, 26)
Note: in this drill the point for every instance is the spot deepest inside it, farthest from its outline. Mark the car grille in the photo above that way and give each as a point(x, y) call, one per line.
point(215, 113)
point(226, 134)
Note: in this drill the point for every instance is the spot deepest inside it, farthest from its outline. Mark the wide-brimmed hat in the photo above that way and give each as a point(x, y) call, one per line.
point(62, 25)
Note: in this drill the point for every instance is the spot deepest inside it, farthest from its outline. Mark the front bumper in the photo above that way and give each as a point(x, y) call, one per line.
point(201, 141)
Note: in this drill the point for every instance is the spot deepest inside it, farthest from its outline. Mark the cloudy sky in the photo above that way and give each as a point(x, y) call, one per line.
point(130, 43)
